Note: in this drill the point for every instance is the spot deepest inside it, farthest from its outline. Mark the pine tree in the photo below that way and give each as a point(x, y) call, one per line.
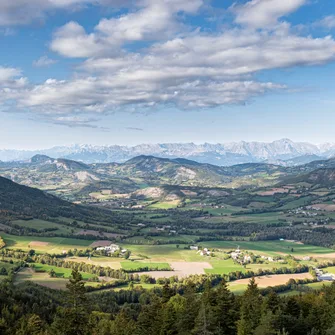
point(225, 312)
point(187, 315)
point(149, 321)
point(202, 323)
point(73, 319)
point(122, 325)
point(31, 325)
point(266, 326)
point(250, 310)
point(169, 317)
point(271, 302)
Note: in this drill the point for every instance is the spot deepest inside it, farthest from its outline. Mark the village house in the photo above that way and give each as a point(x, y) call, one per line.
point(110, 248)
point(204, 252)
point(246, 259)
point(236, 253)
point(326, 277)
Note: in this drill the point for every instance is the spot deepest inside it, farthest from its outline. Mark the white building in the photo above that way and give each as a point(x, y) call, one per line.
point(111, 248)
point(194, 247)
point(326, 277)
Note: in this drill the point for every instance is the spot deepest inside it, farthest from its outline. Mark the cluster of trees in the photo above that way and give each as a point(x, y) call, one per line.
point(147, 269)
point(32, 310)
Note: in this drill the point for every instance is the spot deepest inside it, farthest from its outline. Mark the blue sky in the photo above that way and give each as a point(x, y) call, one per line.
point(148, 71)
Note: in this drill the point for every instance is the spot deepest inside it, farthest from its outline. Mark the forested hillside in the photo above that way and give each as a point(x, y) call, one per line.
point(19, 201)
point(31, 310)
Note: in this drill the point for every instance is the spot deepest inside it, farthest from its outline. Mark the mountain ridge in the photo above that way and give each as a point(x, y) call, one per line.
point(282, 152)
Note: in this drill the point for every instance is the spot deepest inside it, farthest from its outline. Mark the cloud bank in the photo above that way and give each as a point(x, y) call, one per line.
point(151, 56)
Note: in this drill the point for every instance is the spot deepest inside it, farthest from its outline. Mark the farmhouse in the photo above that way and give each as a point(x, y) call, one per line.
point(194, 247)
point(236, 254)
point(204, 252)
point(111, 248)
point(246, 259)
point(326, 277)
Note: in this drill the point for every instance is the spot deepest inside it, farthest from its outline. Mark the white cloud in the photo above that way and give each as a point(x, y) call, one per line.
point(71, 40)
point(44, 61)
point(231, 54)
point(21, 12)
point(7, 73)
point(156, 19)
point(106, 94)
point(11, 84)
point(264, 13)
point(327, 22)
point(74, 122)
point(194, 71)
point(178, 66)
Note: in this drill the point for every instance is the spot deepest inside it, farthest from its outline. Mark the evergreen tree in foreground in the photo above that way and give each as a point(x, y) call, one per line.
point(250, 310)
point(73, 319)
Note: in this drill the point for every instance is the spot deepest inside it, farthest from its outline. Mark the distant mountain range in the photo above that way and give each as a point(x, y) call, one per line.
point(76, 181)
point(281, 152)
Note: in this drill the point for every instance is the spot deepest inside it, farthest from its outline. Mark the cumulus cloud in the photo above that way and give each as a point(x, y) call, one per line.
point(264, 13)
point(327, 22)
point(106, 94)
point(11, 84)
point(7, 73)
point(11, 78)
point(180, 67)
point(71, 40)
point(155, 20)
point(21, 12)
point(44, 61)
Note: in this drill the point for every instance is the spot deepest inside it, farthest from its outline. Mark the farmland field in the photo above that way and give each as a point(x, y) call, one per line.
point(271, 247)
point(43, 279)
point(128, 265)
point(59, 272)
point(226, 266)
point(50, 244)
point(272, 280)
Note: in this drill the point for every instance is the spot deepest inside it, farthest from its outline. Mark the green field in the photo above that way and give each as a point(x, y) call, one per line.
point(36, 224)
point(164, 205)
point(136, 265)
point(163, 253)
point(272, 248)
point(330, 269)
point(60, 272)
point(227, 266)
point(54, 244)
point(43, 279)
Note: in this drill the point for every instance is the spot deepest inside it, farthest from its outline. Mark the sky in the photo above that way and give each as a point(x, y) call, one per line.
point(107, 72)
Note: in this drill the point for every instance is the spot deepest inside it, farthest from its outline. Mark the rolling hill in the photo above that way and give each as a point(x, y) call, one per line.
point(76, 181)
point(19, 201)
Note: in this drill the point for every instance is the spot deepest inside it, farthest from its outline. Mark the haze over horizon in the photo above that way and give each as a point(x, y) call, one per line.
point(69, 145)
